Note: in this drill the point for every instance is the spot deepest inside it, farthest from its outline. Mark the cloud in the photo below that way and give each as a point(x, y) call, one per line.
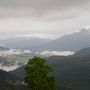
point(8, 68)
point(40, 8)
point(41, 4)
point(59, 53)
point(42, 16)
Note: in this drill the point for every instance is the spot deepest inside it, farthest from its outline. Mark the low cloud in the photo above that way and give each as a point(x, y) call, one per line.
point(59, 53)
point(9, 68)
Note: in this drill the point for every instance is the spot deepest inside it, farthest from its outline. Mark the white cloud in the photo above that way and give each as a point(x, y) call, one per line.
point(60, 53)
point(9, 68)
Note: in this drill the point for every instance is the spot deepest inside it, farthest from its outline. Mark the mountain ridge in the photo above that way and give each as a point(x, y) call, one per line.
point(23, 42)
point(69, 42)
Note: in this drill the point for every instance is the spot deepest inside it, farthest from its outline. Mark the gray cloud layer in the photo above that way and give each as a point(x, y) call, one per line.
point(43, 16)
point(39, 7)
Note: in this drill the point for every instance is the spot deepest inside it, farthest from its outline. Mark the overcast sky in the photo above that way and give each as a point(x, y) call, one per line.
point(19, 17)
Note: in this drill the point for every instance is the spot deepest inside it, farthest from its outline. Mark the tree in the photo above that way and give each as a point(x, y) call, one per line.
point(37, 77)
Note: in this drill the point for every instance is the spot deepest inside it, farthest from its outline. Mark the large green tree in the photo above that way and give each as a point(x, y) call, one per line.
point(37, 75)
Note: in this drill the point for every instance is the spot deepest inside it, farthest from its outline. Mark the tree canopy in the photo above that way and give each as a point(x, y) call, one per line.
point(37, 75)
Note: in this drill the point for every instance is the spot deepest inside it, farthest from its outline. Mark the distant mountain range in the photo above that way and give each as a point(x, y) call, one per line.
point(70, 42)
point(23, 42)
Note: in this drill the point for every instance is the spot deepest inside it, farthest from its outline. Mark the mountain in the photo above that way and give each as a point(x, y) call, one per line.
point(70, 42)
point(72, 72)
point(83, 52)
point(23, 42)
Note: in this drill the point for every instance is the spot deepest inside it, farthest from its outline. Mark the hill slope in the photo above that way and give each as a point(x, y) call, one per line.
point(83, 52)
point(6, 79)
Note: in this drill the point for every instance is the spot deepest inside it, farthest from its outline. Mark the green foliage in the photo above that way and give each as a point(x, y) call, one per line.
point(37, 77)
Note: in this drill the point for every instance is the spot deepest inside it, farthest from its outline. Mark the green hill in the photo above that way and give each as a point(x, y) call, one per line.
point(6, 79)
point(71, 72)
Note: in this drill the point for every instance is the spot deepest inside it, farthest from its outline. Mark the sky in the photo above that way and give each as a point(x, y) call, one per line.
point(47, 17)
